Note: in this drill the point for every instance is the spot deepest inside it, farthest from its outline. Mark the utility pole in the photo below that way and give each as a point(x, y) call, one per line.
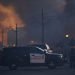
point(43, 37)
point(2, 38)
point(16, 36)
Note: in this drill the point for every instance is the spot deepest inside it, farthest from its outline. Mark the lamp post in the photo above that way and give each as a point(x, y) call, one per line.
point(16, 36)
point(67, 39)
point(2, 38)
point(43, 38)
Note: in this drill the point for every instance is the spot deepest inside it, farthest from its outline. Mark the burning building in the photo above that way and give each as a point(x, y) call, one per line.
point(8, 20)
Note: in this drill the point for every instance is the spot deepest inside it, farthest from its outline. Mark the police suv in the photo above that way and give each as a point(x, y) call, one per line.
point(14, 57)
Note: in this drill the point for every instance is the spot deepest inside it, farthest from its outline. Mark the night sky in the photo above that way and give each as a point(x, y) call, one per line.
point(59, 18)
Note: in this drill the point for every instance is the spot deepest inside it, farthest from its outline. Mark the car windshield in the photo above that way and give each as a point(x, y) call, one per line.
point(40, 49)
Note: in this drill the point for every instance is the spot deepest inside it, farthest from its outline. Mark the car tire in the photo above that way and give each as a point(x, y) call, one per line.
point(12, 66)
point(51, 65)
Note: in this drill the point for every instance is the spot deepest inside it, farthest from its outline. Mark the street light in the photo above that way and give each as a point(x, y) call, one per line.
point(66, 35)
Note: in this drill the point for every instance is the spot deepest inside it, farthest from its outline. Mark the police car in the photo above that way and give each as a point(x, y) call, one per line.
point(14, 57)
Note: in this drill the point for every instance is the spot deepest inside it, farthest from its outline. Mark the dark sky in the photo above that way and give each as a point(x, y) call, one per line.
point(59, 17)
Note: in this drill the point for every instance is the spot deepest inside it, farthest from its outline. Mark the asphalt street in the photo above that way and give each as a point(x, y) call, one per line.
point(65, 70)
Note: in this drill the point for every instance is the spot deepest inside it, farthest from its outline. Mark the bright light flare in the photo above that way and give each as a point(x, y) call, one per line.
point(66, 35)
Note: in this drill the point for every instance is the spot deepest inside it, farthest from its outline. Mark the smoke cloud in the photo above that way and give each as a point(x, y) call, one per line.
point(59, 5)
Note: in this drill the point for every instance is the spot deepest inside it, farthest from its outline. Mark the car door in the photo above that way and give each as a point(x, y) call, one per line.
point(37, 56)
point(21, 56)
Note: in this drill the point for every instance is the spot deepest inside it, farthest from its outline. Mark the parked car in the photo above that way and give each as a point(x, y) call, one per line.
point(14, 57)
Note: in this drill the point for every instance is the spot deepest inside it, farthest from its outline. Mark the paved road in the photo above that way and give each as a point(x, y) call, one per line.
point(65, 70)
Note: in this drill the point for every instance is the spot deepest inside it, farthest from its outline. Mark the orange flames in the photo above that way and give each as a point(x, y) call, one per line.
point(9, 18)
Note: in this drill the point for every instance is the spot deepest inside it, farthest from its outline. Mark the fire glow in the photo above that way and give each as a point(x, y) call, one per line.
point(9, 18)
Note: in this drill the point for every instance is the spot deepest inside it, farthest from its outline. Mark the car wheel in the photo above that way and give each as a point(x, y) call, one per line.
point(51, 65)
point(12, 66)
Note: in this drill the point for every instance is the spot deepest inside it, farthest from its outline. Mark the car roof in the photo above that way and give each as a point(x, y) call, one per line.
point(43, 46)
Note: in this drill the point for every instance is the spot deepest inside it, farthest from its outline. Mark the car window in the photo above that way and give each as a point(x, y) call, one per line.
point(34, 50)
